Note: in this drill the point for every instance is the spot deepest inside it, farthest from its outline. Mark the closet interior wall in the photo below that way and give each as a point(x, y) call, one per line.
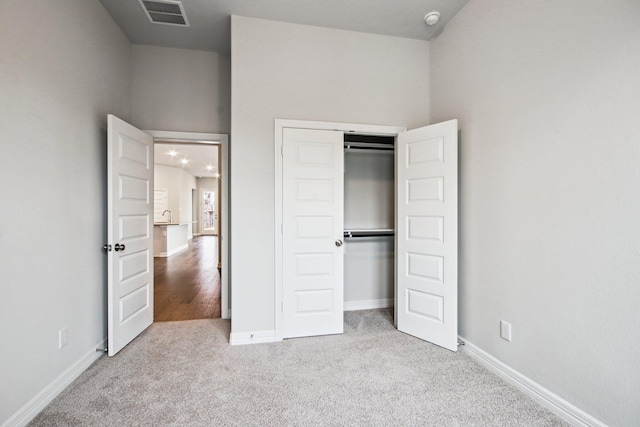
point(369, 182)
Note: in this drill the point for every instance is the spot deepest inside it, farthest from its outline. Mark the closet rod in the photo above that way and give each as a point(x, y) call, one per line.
point(367, 146)
point(369, 233)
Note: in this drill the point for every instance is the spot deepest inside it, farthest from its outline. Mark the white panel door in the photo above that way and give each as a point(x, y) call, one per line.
point(427, 233)
point(129, 232)
point(312, 186)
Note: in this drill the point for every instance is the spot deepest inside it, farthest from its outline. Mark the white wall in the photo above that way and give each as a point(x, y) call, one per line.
point(292, 71)
point(187, 185)
point(548, 98)
point(168, 178)
point(180, 90)
point(64, 67)
point(178, 184)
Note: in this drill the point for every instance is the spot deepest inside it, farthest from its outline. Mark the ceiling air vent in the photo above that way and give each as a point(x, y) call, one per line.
point(165, 12)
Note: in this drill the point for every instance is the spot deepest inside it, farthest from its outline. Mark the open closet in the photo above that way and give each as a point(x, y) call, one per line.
point(366, 216)
point(369, 221)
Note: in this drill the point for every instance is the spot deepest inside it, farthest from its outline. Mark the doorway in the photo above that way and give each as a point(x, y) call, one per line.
point(131, 228)
point(196, 277)
point(187, 281)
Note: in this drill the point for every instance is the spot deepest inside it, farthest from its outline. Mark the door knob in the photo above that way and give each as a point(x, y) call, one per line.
point(118, 247)
point(338, 242)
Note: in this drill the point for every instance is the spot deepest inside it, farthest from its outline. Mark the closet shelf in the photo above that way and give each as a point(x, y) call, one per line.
point(369, 232)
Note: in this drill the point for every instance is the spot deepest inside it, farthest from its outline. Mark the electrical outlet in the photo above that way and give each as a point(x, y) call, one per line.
point(505, 330)
point(63, 337)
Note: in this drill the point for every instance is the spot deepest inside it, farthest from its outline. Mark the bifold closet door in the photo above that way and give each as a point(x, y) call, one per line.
point(312, 206)
point(427, 233)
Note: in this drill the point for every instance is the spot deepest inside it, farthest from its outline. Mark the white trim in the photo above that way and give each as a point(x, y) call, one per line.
point(368, 304)
point(344, 127)
point(188, 137)
point(224, 234)
point(174, 251)
point(241, 338)
point(277, 227)
point(280, 124)
point(34, 406)
point(546, 398)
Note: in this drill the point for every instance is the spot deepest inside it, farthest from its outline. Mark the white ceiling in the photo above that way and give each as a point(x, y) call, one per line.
point(211, 24)
point(199, 156)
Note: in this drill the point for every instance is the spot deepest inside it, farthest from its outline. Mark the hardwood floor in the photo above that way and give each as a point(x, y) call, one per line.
point(187, 284)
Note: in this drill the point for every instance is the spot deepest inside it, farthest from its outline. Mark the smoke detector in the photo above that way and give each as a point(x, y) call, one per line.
point(168, 12)
point(432, 18)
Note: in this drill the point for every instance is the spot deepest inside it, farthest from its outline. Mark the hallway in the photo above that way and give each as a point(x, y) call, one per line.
point(187, 284)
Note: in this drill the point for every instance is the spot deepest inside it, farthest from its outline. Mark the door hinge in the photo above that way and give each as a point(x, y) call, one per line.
point(282, 306)
point(282, 150)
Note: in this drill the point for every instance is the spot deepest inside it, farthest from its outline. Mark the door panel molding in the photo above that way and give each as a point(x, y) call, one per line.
point(427, 233)
point(313, 188)
point(129, 225)
point(280, 125)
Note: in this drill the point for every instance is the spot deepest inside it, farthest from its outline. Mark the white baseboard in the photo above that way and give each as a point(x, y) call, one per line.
point(241, 338)
point(50, 392)
point(368, 304)
point(546, 398)
point(175, 251)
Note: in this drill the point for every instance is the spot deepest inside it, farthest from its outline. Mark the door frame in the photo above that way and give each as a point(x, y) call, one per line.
point(280, 124)
point(221, 140)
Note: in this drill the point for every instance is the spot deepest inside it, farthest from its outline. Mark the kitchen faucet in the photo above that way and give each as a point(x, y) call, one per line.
point(170, 216)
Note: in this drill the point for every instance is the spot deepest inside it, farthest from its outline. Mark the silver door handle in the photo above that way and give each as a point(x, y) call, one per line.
point(118, 247)
point(338, 242)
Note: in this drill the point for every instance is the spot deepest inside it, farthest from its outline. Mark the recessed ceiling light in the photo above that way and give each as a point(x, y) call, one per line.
point(209, 167)
point(432, 18)
point(184, 161)
point(172, 153)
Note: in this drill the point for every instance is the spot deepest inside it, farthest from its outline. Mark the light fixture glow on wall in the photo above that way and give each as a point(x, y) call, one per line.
point(432, 18)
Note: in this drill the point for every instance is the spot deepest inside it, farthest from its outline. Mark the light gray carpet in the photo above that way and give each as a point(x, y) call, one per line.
point(186, 374)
